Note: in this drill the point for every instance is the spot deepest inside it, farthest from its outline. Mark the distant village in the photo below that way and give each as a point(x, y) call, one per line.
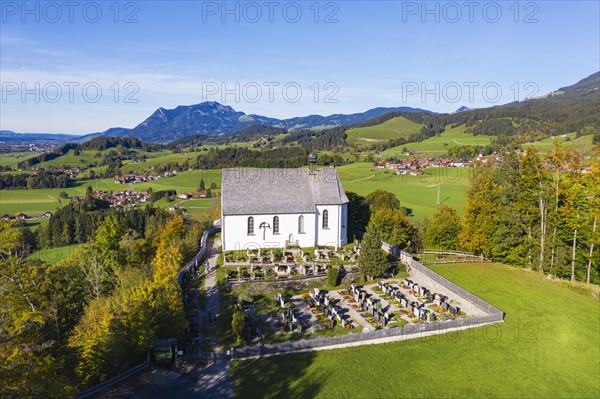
point(416, 166)
point(142, 177)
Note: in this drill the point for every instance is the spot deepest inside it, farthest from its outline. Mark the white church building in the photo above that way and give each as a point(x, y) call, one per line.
point(272, 208)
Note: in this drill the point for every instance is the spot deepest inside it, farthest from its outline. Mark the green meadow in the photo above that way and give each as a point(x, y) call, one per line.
point(418, 193)
point(438, 145)
point(388, 130)
point(53, 255)
point(547, 347)
point(13, 158)
point(567, 140)
point(34, 202)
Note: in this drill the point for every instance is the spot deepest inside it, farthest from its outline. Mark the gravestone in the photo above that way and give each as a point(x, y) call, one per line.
point(445, 306)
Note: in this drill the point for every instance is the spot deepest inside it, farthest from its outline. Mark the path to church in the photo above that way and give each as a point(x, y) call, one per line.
point(212, 381)
point(215, 380)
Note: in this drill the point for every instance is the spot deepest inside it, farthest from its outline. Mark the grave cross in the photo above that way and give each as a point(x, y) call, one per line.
point(264, 226)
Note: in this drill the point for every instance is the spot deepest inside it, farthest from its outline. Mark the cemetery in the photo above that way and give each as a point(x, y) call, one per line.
point(278, 315)
point(264, 264)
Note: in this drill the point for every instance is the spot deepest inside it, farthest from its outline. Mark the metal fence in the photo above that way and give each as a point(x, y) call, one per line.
point(408, 259)
point(96, 389)
point(454, 257)
point(192, 265)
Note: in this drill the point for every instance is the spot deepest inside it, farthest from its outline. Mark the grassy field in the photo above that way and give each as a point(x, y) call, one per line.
point(388, 130)
point(438, 145)
point(418, 193)
point(546, 348)
point(33, 202)
point(13, 158)
point(567, 140)
point(53, 255)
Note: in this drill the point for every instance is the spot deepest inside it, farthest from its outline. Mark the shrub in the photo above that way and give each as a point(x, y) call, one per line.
point(332, 277)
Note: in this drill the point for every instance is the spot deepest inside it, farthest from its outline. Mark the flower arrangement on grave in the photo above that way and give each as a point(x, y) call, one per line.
point(241, 259)
point(269, 272)
point(289, 258)
point(254, 259)
point(305, 295)
point(253, 252)
point(245, 273)
point(281, 269)
point(349, 326)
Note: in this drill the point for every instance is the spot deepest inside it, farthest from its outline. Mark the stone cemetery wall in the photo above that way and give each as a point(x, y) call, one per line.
point(259, 287)
point(434, 281)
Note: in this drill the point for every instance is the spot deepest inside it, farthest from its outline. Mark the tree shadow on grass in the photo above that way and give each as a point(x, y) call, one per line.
point(276, 377)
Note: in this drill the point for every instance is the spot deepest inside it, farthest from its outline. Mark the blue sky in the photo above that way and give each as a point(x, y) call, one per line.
point(292, 59)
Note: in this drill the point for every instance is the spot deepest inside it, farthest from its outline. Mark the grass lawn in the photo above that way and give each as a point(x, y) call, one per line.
point(546, 348)
point(388, 130)
point(438, 145)
point(414, 192)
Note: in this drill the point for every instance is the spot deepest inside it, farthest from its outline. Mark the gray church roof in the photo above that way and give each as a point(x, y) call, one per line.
point(254, 191)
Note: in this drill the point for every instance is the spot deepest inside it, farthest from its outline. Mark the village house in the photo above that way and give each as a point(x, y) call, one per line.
point(282, 207)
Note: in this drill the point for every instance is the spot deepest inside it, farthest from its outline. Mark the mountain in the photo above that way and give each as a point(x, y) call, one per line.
point(313, 121)
point(463, 109)
point(213, 119)
point(10, 136)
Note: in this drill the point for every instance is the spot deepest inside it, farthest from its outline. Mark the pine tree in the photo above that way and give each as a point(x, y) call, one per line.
point(373, 260)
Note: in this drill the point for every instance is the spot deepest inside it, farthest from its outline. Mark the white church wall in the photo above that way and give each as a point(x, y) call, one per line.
point(331, 234)
point(235, 235)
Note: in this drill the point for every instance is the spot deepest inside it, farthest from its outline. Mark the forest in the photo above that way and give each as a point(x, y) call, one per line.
point(88, 317)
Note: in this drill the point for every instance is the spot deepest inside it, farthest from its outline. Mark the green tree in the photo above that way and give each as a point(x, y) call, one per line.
point(394, 228)
point(480, 219)
point(380, 199)
point(358, 214)
point(332, 276)
point(238, 323)
point(373, 260)
point(108, 237)
point(442, 231)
